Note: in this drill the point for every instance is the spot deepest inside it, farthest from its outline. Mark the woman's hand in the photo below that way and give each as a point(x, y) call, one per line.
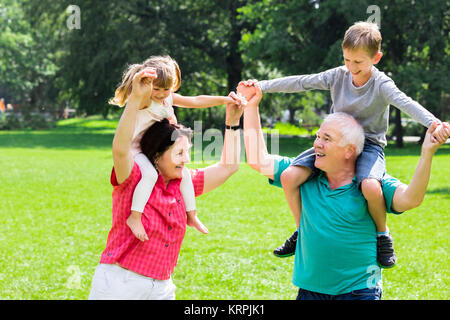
point(233, 110)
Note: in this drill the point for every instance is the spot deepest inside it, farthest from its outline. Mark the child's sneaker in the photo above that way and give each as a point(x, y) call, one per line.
point(385, 251)
point(288, 248)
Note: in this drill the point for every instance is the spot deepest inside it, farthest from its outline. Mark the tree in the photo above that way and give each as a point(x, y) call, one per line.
point(416, 47)
point(202, 36)
point(299, 37)
point(27, 63)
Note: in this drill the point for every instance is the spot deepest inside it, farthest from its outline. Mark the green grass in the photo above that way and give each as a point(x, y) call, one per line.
point(56, 214)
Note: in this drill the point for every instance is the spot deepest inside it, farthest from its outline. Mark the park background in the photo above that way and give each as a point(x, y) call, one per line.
point(57, 74)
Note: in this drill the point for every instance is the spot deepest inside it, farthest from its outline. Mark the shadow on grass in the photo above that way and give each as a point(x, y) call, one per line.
point(445, 191)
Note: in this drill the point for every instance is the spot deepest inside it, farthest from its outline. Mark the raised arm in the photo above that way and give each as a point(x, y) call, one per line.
point(121, 148)
point(218, 173)
point(202, 101)
point(407, 197)
point(255, 147)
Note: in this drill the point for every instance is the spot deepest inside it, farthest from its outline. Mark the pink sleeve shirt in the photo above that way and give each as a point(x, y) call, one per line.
point(164, 220)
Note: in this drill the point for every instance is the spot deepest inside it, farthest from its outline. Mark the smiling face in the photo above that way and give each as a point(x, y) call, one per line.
point(329, 152)
point(360, 63)
point(160, 93)
point(171, 163)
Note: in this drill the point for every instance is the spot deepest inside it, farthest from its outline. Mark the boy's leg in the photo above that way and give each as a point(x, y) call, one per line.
point(371, 189)
point(291, 179)
point(370, 169)
point(188, 193)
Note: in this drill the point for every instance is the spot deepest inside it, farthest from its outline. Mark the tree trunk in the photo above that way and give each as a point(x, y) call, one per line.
point(398, 129)
point(234, 59)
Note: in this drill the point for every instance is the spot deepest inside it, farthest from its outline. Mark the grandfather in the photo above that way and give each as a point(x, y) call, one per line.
point(336, 254)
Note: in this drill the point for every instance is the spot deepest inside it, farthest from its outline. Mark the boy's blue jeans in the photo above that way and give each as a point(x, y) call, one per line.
point(362, 294)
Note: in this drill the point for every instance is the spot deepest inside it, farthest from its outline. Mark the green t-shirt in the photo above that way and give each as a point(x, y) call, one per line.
point(336, 250)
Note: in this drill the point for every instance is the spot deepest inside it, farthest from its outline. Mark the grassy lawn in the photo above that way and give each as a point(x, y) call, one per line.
point(56, 213)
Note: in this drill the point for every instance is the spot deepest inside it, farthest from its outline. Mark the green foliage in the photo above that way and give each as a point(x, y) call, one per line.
point(46, 66)
point(27, 67)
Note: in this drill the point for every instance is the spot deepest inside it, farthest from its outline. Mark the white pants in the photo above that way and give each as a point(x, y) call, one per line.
point(112, 282)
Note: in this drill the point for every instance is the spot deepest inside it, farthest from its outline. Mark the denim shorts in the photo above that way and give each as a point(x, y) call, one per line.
point(370, 163)
point(362, 294)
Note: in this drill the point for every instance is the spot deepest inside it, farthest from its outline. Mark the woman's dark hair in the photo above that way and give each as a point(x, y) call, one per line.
point(160, 136)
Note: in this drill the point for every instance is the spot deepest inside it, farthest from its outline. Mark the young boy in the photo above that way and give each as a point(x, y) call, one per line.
point(360, 89)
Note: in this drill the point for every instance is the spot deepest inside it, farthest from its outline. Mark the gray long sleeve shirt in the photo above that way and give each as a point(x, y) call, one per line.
point(368, 104)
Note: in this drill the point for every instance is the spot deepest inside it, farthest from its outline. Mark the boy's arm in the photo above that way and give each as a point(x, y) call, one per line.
point(318, 81)
point(400, 100)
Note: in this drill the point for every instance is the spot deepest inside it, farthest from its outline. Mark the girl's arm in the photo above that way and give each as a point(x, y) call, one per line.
point(121, 148)
point(202, 101)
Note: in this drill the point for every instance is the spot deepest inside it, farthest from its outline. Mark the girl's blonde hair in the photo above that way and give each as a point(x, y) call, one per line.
point(168, 71)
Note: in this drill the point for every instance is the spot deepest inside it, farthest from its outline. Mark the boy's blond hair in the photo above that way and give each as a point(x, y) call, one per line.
point(364, 35)
point(169, 76)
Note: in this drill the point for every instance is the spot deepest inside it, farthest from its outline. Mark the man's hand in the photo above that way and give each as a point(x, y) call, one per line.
point(440, 135)
point(247, 88)
point(430, 143)
point(256, 98)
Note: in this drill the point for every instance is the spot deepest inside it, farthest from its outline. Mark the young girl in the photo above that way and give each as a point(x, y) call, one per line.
point(166, 79)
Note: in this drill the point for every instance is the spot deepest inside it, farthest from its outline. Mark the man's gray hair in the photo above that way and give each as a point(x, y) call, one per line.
point(351, 130)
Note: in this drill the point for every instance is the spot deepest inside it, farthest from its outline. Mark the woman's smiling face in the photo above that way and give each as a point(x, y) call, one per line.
point(171, 163)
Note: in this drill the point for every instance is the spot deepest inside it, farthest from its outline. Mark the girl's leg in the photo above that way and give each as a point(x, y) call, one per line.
point(141, 195)
point(188, 193)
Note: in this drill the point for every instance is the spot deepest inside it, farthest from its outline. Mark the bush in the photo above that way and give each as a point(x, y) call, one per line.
point(10, 121)
point(34, 121)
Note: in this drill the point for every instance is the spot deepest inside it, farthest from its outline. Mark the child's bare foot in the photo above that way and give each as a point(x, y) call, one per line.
point(193, 221)
point(135, 224)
